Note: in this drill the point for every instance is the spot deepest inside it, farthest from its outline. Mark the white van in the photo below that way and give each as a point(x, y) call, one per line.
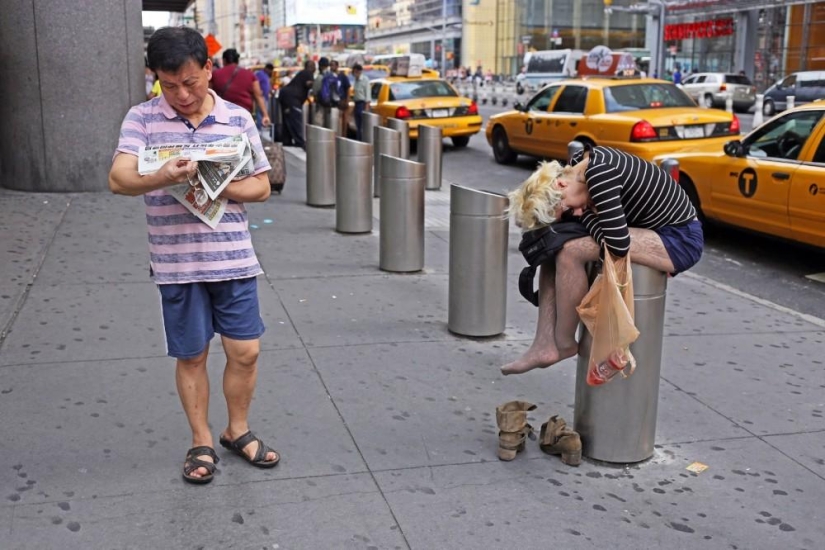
point(546, 66)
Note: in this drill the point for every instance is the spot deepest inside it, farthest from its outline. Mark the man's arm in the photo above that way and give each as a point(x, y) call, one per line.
point(259, 99)
point(252, 189)
point(125, 180)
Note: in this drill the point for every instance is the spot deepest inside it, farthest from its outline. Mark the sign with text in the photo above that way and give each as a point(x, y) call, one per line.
point(325, 12)
point(700, 29)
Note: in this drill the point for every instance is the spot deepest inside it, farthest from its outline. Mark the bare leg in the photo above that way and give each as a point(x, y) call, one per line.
point(193, 388)
point(239, 380)
point(647, 249)
point(572, 277)
point(542, 352)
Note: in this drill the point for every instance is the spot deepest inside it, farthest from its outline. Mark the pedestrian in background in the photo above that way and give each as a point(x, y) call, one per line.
point(343, 105)
point(206, 277)
point(361, 98)
point(291, 98)
point(238, 85)
point(264, 77)
point(321, 107)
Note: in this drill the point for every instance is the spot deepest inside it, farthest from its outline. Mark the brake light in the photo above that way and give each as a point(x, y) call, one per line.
point(723, 87)
point(642, 131)
point(734, 125)
point(402, 113)
point(472, 109)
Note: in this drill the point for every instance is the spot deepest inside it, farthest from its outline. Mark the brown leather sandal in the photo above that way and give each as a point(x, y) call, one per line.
point(192, 463)
point(258, 460)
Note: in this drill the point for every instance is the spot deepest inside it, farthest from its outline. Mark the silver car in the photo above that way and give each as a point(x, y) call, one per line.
point(713, 90)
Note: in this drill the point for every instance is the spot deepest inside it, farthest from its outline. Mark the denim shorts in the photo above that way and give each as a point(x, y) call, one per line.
point(684, 244)
point(194, 312)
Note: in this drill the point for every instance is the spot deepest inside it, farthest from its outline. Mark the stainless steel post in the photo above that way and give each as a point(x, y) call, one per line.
point(368, 122)
point(334, 122)
point(320, 166)
point(479, 232)
point(617, 421)
point(403, 127)
point(430, 153)
point(353, 186)
point(401, 242)
point(307, 112)
point(572, 148)
point(385, 142)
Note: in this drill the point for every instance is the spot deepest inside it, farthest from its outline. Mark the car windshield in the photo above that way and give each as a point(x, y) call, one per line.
point(422, 88)
point(644, 96)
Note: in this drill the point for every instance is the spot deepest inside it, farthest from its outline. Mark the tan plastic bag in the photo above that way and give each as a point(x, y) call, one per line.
point(607, 312)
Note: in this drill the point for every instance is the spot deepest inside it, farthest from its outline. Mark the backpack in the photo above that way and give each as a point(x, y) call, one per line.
point(541, 245)
point(330, 90)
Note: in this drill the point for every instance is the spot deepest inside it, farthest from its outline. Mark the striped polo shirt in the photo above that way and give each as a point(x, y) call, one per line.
point(183, 249)
point(629, 191)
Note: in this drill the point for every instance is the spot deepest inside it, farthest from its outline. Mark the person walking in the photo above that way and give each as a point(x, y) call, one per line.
point(343, 105)
point(235, 84)
point(361, 98)
point(206, 277)
point(264, 77)
point(291, 98)
point(627, 205)
point(322, 94)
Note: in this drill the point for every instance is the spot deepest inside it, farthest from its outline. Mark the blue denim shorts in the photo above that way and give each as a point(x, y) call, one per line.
point(684, 244)
point(194, 312)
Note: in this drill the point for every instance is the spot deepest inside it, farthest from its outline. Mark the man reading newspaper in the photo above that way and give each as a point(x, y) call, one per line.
point(206, 276)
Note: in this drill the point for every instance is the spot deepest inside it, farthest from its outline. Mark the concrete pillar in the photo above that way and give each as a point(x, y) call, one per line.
point(747, 25)
point(69, 71)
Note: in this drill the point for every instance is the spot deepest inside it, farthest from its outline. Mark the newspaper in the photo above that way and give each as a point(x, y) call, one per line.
point(219, 163)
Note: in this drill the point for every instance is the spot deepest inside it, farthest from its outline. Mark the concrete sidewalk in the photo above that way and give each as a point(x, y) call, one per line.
point(385, 420)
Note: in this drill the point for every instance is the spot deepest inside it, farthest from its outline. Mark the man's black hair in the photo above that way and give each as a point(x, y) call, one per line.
point(269, 66)
point(170, 48)
point(307, 63)
point(231, 56)
point(323, 63)
point(357, 67)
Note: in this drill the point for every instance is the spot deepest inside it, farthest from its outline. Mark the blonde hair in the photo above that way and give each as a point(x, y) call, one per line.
point(535, 201)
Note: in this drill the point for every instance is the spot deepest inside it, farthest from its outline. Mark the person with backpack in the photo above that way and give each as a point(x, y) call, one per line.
point(327, 93)
point(343, 102)
point(237, 85)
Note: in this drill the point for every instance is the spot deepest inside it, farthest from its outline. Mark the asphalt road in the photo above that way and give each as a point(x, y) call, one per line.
point(764, 267)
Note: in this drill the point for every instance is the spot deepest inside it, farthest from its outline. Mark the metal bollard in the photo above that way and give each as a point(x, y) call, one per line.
point(403, 127)
point(671, 166)
point(430, 153)
point(757, 114)
point(276, 128)
point(572, 148)
point(401, 242)
point(479, 234)
point(386, 141)
point(320, 147)
point(368, 122)
point(307, 112)
point(729, 104)
point(353, 186)
point(791, 101)
point(334, 121)
point(617, 421)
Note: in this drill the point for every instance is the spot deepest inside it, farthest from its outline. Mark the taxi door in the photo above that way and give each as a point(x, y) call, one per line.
point(525, 132)
point(807, 200)
point(565, 122)
point(754, 191)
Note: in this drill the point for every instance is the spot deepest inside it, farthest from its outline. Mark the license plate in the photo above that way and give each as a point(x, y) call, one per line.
point(441, 113)
point(693, 132)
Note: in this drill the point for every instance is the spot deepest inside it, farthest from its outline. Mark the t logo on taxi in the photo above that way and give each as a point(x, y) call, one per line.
point(747, 182)
point(813, 189)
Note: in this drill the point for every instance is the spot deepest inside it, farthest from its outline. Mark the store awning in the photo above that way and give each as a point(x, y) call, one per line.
point(166, 5)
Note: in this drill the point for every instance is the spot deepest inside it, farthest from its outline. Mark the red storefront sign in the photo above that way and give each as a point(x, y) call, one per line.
point(699, 29)
point(285, 37)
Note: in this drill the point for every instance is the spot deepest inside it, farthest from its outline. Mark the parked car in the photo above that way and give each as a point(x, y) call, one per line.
point(643, 116)
point(713, 90)
point(805, 86)
point(772, 181)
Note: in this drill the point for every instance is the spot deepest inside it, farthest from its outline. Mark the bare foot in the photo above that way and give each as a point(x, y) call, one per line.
point(534, 359)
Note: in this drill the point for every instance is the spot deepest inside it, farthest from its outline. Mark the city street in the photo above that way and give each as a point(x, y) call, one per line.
point(762, 266)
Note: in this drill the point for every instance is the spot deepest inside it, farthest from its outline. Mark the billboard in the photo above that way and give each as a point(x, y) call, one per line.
point(325, 12)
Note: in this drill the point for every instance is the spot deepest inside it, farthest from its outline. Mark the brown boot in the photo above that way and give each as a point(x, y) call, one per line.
point(512, 421)
point(557, 438)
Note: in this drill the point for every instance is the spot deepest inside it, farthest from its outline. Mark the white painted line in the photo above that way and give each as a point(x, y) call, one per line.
point(761, 301)
point(818, 277)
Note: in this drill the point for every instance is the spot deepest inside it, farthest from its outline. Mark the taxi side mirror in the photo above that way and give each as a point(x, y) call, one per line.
point(518, 106)
point(734, 148)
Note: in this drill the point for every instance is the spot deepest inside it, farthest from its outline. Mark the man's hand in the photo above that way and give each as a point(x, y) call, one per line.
point(179, 170)
point(124, 178)
point(265, 121)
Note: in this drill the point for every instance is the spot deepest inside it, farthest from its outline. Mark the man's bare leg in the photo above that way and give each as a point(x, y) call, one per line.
point(647, 249)
point(193, 388)
point(239, 380)
point(571, 262)
point(542, 352)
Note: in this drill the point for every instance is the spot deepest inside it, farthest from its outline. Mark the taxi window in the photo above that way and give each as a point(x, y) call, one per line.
point(820, 153)
point(644, 96)
point(571, 100)
point(541, 101)
point(375, 91)
point(784, 137)
point(419, 89)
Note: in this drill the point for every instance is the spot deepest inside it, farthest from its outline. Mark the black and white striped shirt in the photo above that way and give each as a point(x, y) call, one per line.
point(629, 191)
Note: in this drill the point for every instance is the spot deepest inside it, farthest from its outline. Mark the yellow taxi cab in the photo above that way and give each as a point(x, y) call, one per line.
point(772, 181)
point(643, 116)
point(419, 96)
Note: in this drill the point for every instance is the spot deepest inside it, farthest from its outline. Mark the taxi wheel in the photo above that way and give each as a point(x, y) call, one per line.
point(768, 108)
point(501, 147)
point(460, 141)
point(690, 190)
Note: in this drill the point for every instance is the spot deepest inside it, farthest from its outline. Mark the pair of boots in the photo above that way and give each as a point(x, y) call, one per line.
point(555, 437)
